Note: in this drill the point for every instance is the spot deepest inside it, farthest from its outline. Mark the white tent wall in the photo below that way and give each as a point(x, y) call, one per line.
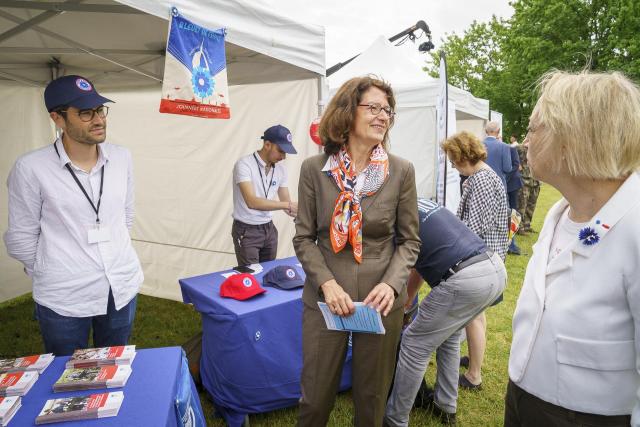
point(25, 126)
point(184, 182)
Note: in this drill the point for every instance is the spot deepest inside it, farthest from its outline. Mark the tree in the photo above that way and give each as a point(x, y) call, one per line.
point(502, 60)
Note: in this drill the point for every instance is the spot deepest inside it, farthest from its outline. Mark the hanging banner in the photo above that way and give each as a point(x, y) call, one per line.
point(195, 71)
point(442, 116)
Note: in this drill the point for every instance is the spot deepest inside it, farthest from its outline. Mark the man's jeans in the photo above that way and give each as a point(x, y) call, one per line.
point(63, 334)
point(442, 314)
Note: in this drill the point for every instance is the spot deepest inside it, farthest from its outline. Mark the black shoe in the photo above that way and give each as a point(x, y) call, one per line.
point(424, 396)
point(445, 418)
point(464, 362)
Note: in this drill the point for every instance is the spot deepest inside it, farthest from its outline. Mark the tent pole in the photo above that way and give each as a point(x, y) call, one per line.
point(82, 47)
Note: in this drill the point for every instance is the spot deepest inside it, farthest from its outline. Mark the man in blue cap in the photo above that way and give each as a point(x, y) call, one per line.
point(70, 212)
point(259, 188)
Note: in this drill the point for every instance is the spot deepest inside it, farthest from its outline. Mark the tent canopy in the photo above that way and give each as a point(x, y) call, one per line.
point(182, 165)
point(120, 44)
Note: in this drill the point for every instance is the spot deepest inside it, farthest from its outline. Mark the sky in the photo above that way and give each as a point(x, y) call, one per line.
point(352, 25)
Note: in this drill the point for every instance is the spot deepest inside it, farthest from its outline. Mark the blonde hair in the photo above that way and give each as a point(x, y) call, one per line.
point(464, 147)
point(592, 121)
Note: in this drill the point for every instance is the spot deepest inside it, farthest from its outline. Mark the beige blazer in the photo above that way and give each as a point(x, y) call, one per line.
point(390, 233)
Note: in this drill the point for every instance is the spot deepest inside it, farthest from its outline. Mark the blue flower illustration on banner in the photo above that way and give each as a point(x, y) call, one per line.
point(202, 82)
point(588, 236)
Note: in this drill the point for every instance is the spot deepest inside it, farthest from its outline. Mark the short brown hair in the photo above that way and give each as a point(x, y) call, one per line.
point(592, 123)
point(464, 147)
point(337, 120)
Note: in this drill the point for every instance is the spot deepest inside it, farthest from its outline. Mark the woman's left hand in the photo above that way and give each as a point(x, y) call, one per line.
point(381, 298)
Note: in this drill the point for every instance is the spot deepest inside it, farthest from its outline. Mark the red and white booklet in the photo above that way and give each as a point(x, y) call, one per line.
point(38, 362)
point(17, 383)
point(81, 407)
point(8, 408)
point(102, 356)
point(88, 378)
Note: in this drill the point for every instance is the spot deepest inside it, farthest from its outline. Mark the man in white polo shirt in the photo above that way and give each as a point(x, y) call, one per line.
point(259, 188)
point(70, 211)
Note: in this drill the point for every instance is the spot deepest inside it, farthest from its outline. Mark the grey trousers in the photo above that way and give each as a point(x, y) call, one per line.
point(254, 244)
point(441, 316)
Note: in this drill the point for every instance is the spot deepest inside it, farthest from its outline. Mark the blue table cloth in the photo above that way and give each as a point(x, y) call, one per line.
point(148, 395)
point(251, 350)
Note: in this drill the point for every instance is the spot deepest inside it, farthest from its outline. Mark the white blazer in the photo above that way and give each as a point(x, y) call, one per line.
point(576, 328)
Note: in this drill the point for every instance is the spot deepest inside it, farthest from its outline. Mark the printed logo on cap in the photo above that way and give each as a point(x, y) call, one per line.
point(289, 137)
point(247, 282)
point(83, 85)
point(290, 273)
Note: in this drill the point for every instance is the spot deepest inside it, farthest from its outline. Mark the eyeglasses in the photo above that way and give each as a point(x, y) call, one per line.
point(88, 115)
point(377, 108)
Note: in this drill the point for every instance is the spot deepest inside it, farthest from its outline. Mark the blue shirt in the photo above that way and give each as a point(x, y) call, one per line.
point(445, 241)
point(498, 158)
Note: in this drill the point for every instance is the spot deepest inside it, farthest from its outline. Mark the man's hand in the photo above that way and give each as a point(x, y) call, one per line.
point(381, 298)
point(337, 299)
point(292, 209)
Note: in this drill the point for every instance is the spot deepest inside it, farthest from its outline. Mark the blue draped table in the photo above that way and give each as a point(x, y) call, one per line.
point(251, 350)
point(148, 395)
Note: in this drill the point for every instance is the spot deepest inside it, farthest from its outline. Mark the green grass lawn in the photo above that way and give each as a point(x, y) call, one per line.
point(161, 323)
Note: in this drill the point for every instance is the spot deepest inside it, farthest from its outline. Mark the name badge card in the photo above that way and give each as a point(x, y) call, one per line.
point(98, 234)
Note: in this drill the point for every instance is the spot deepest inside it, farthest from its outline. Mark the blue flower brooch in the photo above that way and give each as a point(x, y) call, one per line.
point(588, 236)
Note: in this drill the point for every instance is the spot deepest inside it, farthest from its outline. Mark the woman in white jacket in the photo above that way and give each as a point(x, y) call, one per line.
point(575, 352)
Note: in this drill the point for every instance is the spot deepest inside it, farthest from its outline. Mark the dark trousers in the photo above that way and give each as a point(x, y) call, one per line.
point(62, 335)
point(254, 243)
point(523, 409)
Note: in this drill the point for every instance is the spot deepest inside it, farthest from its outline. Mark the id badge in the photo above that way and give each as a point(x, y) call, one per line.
point(98, 234)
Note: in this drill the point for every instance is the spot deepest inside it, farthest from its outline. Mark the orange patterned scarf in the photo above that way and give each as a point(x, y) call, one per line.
point(346, 221)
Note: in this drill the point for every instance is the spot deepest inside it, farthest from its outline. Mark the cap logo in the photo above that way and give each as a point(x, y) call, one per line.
point(290, 273)
point(83, 85)
point(289, 137)
point(247, 282)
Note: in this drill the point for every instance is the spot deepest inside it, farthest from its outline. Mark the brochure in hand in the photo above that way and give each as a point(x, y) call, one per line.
point(103, 356)
point(365, 319)
point(89, 378)
point(8, 408)
point(17, 383)
point(38, 362)
point(81, 407)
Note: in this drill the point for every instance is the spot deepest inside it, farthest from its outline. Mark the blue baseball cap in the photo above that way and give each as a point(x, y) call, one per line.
point(283, 277)
point(75, 91)
point(280, 136)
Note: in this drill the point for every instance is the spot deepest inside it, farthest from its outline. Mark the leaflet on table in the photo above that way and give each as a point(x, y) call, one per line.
point(102, 356)
point(17, 383)
point(81, 407)
point(38, 362)
point(8, 408)
point(99, 377)
point(365, 319)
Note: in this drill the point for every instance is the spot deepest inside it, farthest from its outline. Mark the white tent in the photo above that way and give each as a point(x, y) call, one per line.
point(414, 133)
point(182, 164)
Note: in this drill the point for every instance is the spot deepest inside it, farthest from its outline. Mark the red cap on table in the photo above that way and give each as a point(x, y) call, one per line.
point(240, 287)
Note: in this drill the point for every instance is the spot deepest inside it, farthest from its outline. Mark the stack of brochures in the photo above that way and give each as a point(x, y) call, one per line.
point(90, 378)
point(365, 319)
point(81, 408)
point(17, 383)
point(38, 362)
point(103, 356)
point(8, 408)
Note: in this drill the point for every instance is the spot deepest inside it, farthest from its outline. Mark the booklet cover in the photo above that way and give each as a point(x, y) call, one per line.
point(38, 362)
point(8, 408)
point(88, 378)
point(81, 407)
point(365, 319)
point(17, 383)
point(91, 357)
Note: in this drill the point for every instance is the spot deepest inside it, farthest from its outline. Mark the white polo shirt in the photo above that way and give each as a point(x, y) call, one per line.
point(251, 168)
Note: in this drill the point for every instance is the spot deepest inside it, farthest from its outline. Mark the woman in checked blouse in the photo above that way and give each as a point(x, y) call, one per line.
point(484, 209)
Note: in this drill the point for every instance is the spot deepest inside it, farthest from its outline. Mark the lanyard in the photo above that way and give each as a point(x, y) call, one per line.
point(273, 168)
point(96, 208)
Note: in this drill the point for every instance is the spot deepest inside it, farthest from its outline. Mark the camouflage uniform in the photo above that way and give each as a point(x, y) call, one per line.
point(529, 191)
